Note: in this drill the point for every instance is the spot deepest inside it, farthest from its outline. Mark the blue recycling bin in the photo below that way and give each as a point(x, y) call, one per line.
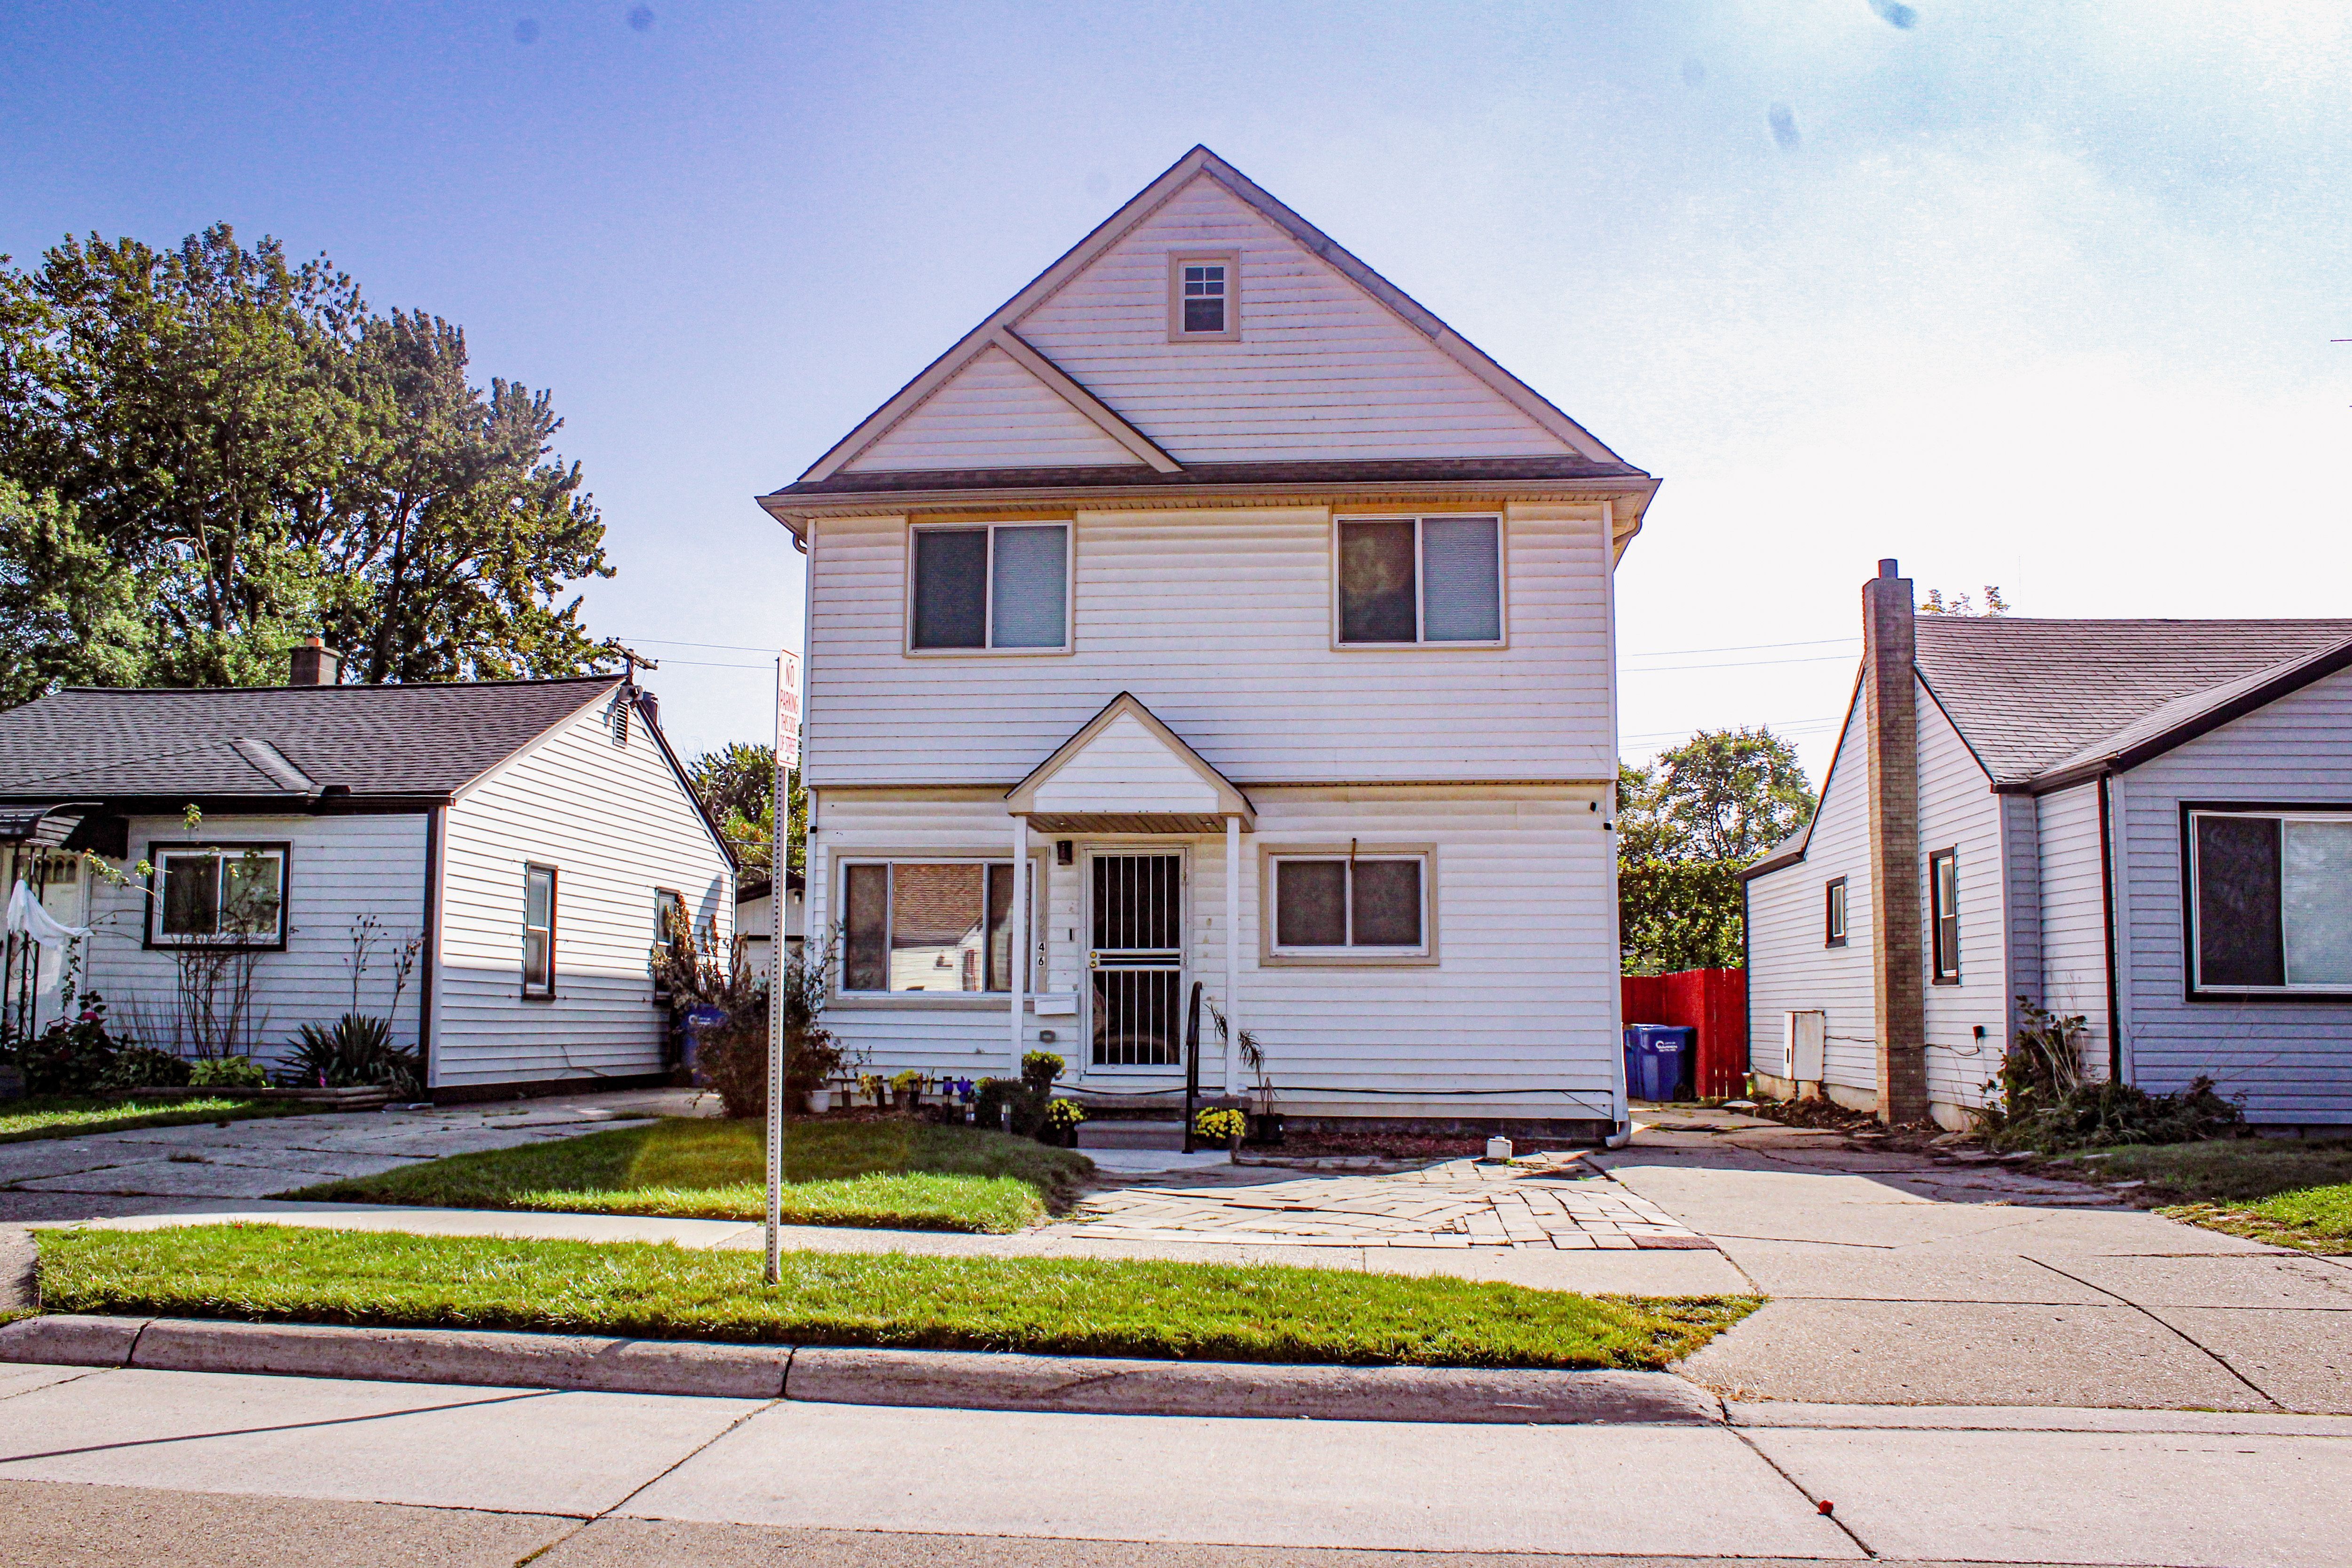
point(1658, 1060)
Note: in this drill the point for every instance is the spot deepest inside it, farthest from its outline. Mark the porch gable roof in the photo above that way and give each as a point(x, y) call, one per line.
point(1125, 770)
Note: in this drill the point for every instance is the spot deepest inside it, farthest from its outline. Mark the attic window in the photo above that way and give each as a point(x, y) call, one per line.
point(1205, 298)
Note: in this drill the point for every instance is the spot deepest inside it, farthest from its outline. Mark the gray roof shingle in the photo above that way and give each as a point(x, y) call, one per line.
point(97, 743)
point(2035, 697)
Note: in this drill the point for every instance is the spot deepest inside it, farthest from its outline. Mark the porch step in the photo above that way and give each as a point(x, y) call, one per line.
point(1130, 1135)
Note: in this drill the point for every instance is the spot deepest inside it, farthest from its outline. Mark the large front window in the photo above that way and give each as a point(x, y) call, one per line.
point(1420, 580)
point(926, 925)
point(1350, 906)
point(224, 893)
point(2271, 901)
point(995, 586)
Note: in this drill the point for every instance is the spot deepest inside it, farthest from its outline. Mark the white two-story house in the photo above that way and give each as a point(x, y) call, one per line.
point(1213, 615)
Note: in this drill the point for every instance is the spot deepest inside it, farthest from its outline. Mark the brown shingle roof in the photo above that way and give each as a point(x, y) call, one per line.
point(2036, 698)
point(96, 744)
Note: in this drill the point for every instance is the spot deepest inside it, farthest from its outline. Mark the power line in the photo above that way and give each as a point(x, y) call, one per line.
point(1744, 664)
point(1740, 647)
point(674, 642)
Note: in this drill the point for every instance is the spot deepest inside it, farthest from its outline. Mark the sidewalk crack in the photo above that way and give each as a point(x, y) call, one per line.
point(672, 1469)
point(1860, 1544)
point(2173, 1329)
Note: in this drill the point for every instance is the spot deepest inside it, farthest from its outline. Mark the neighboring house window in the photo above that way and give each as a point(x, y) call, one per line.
point(228, 894)
point(1351, 906)
point(1420, 580)
point(938, 926)
point(1205, 298)
point(539, 931)
point(1943, 914)
point(997, 586)
point(670, 930)
point(2271, 901)
point(1834, 933)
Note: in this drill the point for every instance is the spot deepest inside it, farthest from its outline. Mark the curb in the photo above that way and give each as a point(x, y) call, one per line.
point(964, 1380)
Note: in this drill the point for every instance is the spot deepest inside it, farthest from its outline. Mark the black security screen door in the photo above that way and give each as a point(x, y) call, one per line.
point(1137, 959)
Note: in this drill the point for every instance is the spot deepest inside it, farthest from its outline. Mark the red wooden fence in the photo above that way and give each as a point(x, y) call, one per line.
point(1712, 1001)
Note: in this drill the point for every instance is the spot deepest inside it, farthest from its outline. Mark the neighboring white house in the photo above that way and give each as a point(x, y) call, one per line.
point(1219, 609)
point(523, 834)
point(755, 915)
point(2146, 823)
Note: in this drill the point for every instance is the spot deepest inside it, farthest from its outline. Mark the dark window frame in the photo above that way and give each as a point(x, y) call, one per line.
point(2193, 987)
point(151, 935)
point(988, 647)
point(1834, 907)
point(554, 908)
point(1939, 946)
point(1421, 638)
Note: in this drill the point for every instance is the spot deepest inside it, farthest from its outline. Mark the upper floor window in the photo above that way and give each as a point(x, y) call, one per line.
point(1204, 297)
point(2271, 904)
point(228, 894)
point(990, 586)
point(1420, 580)
point(1943, 914)
point(1834, 925)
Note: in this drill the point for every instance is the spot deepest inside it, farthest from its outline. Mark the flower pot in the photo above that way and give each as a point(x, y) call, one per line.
point(1233, 1149)
point(819, 1100)
point(1265, 1129)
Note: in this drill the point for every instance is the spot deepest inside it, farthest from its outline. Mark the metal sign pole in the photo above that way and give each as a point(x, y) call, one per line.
point(787, 739)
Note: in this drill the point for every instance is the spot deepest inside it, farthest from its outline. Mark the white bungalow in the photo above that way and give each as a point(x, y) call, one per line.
point(1220, 609)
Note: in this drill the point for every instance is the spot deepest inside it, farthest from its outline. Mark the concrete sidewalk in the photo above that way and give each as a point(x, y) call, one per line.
point(658, 1474)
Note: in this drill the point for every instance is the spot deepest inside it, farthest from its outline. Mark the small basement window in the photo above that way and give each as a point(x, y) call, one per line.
point(230, 895)
point(1834, 933)
point(1407, 580)
point(1350, 906)
point(936, 926)
point(989, 587)
point(1205, 298)
point(2270, 911)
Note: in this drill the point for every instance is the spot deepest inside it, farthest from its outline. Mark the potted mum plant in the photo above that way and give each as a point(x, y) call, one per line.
point(1062, 1119)
point(1224, 1126)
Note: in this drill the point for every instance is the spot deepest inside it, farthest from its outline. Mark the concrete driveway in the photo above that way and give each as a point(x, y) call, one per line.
point(1900, 1279)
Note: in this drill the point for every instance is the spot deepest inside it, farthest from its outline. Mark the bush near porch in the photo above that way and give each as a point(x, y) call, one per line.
point(893, 1173)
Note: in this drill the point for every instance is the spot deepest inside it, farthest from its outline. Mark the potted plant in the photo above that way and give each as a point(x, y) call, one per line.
point(1224, 1126)
point(907, 1090)
point(1062, 1119)
point(819, 1100)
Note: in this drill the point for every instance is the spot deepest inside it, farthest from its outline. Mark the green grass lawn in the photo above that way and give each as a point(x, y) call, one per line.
point(888, 1173)
point(2289, 1192)
point(68, 1116)
point(1050, 1306)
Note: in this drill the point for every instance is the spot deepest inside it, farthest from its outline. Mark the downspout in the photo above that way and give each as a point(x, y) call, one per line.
point(435, 826)
point(1620, 1111)
point(2107, 927)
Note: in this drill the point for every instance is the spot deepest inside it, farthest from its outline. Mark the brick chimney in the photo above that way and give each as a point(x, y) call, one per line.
point(1890, 720)
point(314, 664)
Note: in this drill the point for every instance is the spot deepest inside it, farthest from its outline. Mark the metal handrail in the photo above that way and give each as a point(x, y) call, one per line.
point(1192, 1063)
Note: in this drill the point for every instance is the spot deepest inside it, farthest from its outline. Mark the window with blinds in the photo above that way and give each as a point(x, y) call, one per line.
point(989, 587)
point(1420, 580)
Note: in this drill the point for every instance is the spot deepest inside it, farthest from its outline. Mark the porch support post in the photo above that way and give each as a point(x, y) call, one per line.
point(1232, 954)
point(1019, 935)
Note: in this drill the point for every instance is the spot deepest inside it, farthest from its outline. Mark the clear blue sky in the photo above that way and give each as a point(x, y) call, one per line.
point(2028, 294)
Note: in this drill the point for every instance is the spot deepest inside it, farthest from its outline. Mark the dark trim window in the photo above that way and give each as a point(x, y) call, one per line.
point(2271, 901)
point(539, 932)
point(1834, 914)
point(1359, 906)
point(226, 895)
point(989, 587)
point(930, 925)
point(1944, 915)
point(1409, 580)
point(670, 930)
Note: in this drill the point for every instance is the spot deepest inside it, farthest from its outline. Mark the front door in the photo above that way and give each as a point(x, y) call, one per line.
point(1134, 962)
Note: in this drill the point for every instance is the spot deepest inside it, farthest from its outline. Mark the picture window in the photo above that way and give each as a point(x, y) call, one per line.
point(2271, 901)
point(936, 926)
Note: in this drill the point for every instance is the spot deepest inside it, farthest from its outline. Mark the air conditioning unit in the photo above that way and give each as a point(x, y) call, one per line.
point(1802, 1034)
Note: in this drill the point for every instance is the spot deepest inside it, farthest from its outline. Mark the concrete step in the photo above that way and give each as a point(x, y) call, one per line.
point(1130, 1135)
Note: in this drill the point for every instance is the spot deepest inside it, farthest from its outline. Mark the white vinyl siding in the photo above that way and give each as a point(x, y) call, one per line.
point(1320, 370)
point(1522, 1003)
point(1220, 622)
point(1958, 811)
point(2291, 1060)
point(2075, 917)
point(992, 413)
point(616, 824)
point(340, 869)
point(1790, 967)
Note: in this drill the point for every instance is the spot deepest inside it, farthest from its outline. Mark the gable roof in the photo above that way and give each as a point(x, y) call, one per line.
point(2043, 702)
point(1156, 778)
point(1551, 438)
point(277, 744)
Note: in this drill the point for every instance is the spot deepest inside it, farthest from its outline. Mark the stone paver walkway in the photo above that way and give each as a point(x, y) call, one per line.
point(1553, 1201)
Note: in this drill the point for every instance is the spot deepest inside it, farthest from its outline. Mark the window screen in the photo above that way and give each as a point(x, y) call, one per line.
point(1429, 580)
point(1367, 903)
point(951, 588)
point(2239, 938)
point(1461, 560)
point(1378, 584)
point(1310, 903)
point(1027, 577)
point(1384, 904)
point(2316, 904)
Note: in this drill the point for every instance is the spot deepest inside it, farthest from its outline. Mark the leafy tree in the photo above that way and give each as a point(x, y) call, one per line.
point(738, 784)
point(264, 458)
point(1685, 826)
point(1962, 605)
point(69, 612)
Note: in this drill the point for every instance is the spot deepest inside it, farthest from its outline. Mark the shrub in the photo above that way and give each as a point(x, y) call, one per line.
point(704, 969)
point(1220, 1126)
point(2046, 1102)
point(356, 1053)
point(228, 1072)
point(1028, 1106)
point(143, 1066)
point(72, 1056)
